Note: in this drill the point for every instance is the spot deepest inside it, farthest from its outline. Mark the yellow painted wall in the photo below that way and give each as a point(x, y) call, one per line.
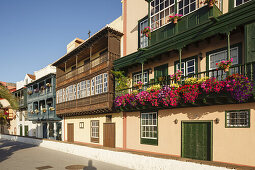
point(83, 135)
point(231, 145)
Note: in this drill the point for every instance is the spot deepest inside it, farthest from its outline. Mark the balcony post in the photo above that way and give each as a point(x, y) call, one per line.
point(142, 72)
point(180, 58)
point(228, 39)
point(65, 67)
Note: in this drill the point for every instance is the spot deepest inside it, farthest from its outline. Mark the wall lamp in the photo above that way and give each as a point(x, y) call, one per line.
point(217, 120)
point(175, 121)
point(200, 56)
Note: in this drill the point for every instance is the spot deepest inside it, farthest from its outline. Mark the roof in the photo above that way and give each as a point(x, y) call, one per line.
point(31, 76)
point(40, 79)
point(86, 43)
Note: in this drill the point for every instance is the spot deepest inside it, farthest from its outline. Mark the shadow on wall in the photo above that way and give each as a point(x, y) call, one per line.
point(8, 147)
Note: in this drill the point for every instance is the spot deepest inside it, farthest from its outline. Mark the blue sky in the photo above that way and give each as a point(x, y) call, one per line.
point(34, 33)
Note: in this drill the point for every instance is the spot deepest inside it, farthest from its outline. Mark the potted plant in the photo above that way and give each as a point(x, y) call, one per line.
point(36, 111)
point(36, 90)
point(209, 2)
point(52, 108)
point(161, 79)
point(44, 110)
point(174, 18)
point(29, 92)
point(224, 65)
point(48, 84)
point(31, 111)
point(147, 31)
point(139, 84)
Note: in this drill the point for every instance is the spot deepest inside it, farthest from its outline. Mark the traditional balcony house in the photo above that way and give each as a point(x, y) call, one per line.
point(85, 90)
point(24, 127)
point(41, 103)
point(208, 124)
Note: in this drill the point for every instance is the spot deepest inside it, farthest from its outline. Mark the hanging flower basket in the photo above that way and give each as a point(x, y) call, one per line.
point(139, 85)
point(48, 84)
point(210, 3)
point(29, 92)
point(31, 111)
point(36, 111)
point(224, 65)
point(52, 108)
point(174, 18)
point(147, 32)
point(44, 110)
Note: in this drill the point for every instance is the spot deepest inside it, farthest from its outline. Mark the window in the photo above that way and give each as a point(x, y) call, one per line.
point(105, 82)
point(81, 125)
point(82, 88)
point(149, 128)
point(67, 94)
point(78, 91)
point(160, 12)
point(99, 84)
point(88, 87)
point(186, 6)
point(26, 115)
point(57, 93)
point(70, 92)
point(138, 77)
point(60, 96)
point(143, 38)
point(240, 2)
point(238, 119)
point(219, 56)
point(64, 95)
point(20, 116)
point(73, 68)
point(92, 86)
point(160, 71)
point(74, 92)
point(188, 66)
point(94, 131)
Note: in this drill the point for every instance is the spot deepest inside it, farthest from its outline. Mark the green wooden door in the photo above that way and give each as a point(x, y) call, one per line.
point(160, 71)
point(20, 130)
point(196, 140)
point(26, 130)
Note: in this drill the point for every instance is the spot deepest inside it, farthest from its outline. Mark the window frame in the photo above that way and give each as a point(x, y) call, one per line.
point(239, 45)
point(245, 110)
point(93, 138)
point(145, 140)
point(185, 60)
point(81, 125)
point(241, 3)
point(140, 34)
point(158, 13)
point(140, 73)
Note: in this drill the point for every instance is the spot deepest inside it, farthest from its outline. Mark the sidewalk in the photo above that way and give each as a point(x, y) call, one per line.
point(125, 158)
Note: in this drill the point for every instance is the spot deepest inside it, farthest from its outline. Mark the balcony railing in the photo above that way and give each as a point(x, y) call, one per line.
point(92, 64)
point(46, 91)
point(90, 102)
point(47, 115)
point(247, 70)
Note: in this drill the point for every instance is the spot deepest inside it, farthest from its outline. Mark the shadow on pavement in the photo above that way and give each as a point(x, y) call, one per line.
point(8, 147)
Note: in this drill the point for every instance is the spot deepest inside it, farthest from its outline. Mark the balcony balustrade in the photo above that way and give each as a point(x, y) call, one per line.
point(89, 67)
point(246, 70)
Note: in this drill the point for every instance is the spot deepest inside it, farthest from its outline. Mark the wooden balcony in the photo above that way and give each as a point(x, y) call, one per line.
point(187, 22)
point(89, 105)
point(102, 63)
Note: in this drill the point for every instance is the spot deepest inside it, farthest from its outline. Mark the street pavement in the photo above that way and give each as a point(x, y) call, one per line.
point(21, 156)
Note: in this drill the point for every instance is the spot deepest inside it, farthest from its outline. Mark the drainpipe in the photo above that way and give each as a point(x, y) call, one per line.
point(228, 35)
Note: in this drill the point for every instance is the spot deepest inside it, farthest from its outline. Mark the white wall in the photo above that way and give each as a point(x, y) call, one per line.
point(23, 122)
point(45, 71)
point(124, 159)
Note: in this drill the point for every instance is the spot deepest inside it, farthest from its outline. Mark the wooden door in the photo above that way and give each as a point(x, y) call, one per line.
point(196, 140)
point(109, 135)
point(26, 130)
point(70, 132)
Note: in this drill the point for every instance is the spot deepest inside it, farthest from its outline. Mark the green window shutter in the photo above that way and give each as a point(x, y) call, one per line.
point(250, 42)
point(231, 4)
point(160, 71)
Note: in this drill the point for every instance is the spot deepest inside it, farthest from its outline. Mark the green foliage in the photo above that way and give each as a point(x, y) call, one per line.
point(122, 82)
point(6, 94)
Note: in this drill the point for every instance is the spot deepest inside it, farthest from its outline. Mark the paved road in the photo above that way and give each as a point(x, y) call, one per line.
point(21, 156)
